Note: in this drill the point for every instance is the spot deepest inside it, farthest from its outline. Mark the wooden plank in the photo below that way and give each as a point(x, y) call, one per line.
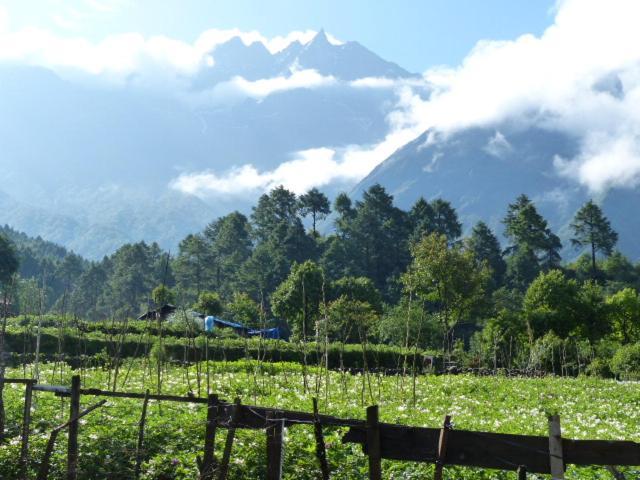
point(482, 449)
point(32, 381)
point(208, 462)
point(26, 428)
point(226, 456)
point(72, 445)
point(321, 453)
point(275, 445)
point(140, 444)
point(373, 444)
point(442, 448)
point(555, 448)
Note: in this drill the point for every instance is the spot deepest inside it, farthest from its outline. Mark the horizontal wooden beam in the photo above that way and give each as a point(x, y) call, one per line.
point(22, 381)
point(494, 450)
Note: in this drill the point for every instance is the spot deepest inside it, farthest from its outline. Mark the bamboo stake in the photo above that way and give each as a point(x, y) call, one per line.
point(321, 452)
point(141, 424)
point(26, 426)
point(442, 447)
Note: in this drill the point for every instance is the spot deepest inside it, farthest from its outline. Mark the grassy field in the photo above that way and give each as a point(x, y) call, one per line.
point(590, 408)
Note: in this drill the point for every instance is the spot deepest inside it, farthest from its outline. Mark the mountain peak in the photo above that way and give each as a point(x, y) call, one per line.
point(320, 38)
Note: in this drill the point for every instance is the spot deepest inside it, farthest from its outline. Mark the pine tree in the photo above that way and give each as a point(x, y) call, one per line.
point(534, 247)
point(316, 204)
point(591, 228)
point(486, 248)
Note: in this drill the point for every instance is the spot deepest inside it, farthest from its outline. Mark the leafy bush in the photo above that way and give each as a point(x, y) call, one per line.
point(626, 362)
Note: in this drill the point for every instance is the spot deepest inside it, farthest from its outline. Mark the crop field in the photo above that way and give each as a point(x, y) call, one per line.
point(590, 408)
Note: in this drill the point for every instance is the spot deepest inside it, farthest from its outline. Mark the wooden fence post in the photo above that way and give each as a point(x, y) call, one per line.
point(72, 445)
point(617, 474)
point(556, 461)
point(26, 427)
point(522, 472)
point(209, 461)
point(231, 431)
point(141, 424)
point(442, 447)
point(275, 444)
point(373, 443)
point(321, 451)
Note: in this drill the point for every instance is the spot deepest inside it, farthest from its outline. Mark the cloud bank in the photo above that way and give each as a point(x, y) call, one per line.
point(118, 57)
point(581, 76)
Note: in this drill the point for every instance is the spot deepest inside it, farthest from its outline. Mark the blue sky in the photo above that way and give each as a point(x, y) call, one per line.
point(417, 34)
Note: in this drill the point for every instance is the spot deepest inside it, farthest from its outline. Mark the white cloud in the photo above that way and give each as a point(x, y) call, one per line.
point(498, 145)
point(549, 80)
point(118, 56)
point(4, 20)
point(238, 87)
point(315, 167)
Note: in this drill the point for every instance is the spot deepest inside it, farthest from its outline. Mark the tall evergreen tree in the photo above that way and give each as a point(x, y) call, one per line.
point(230, 243)
point(486, 248)
point(591, 228)
point(378, 232)
point(8, 260)
point(316, 204)
point(421, 217)
point(445, 220)
point(193, 267)
point(530, 241)
point(276, 223)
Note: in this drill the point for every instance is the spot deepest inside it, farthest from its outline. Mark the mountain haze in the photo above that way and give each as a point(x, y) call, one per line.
point(90, 164)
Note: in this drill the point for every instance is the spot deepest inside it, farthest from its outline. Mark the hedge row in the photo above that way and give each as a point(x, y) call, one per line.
point(99, 348)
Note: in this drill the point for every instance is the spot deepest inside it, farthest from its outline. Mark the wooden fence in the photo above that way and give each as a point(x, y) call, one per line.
point(440, 446)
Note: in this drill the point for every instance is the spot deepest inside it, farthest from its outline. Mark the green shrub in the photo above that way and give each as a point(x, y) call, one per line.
point(626, 362)
point(599, 367)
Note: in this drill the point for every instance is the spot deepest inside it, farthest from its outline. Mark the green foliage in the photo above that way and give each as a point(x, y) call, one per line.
point(626, 362)
point(551, 303)
point(624, 311)
point(209, 303)
point(351, 320)
point(242, 309)
point(8, 260)
point(299, 297)
point(448, 277)
point(486, 248)
point(533, 246)
point(591, 228)
point(163, 295)
point(591, 408)
point(358, 288)
point(316, 204)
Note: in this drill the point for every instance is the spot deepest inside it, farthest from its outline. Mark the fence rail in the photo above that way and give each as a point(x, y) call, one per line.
point(440, 446)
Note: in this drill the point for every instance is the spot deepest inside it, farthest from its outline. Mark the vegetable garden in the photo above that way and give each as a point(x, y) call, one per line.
point(590, 408)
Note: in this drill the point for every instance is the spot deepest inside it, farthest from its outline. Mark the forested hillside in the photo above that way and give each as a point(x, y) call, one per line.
point(385, 275)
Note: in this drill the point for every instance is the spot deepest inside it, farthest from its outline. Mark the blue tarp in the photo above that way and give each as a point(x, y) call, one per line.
point(212, 322)
point(273, 333)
